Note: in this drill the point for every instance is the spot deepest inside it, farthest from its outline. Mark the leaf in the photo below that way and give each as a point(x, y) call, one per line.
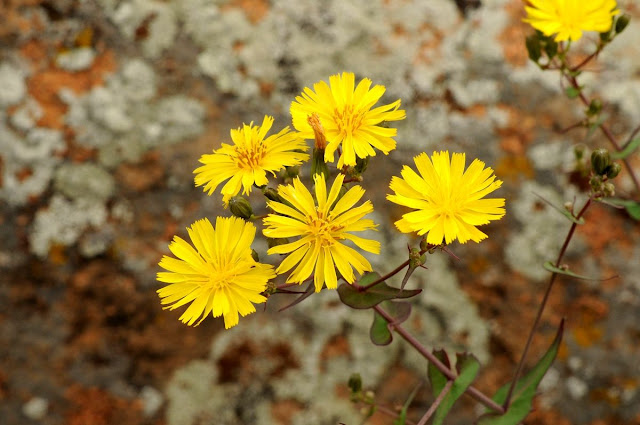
point(380, 332)
point(572, 92)
point(561, 210)
point(627, 150)
point(373, 296)
point(468, 367)
point(306, 294)
point(552, 268)
point(437, 379)
point(632, 207)
point(593, 127)
point(402, 417)
point(524, 390)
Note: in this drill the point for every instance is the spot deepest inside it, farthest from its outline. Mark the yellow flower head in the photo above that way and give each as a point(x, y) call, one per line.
point(347, 118)
point(322, 229)
point(219, 276)
point(568, 18)
point(447, 199)
point(249, 159)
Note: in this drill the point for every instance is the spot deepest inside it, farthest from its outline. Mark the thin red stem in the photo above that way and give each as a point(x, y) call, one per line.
point(536, 322)
point(472, 391)
point(436, 403)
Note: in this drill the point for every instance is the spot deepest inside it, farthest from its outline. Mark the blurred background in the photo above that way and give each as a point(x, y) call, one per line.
point(105, 108)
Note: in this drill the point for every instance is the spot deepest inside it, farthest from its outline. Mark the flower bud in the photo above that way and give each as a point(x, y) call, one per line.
point(271, 194)
point(613, 170)
point(416, 259)
point(605, 36)
point(271, 242)
point(254, 255)
point(355, 383)
point(551, 48)
point(533, 48)
point(318, 131)
point(596, 183)
point(579, 150)
point(292, 172)
point(318, 166)
point(361, 164)
point(622, 23)
point(609, 190)
point(240, 207)
point(600, 160)
point(594, 107)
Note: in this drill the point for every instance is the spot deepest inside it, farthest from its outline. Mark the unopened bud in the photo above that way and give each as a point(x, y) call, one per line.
point(318, 166)
point(533, 48)
point(579, 150)
point(596, 183)
point(271, 194)
point(568, 206)
point(594, 107)
point(361, 164)
point(254, 255)
point(416, 259)
point(609, 189)
point(355, 383)
point(622, 23)
point(551, 48)
point(318, 131)
point(271, 242)
point(293, 171)
point(613, 170)
point(600, 160)
point(240, 207)
point(605, 36)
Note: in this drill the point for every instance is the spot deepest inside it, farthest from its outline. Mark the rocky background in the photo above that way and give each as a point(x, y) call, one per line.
point(105, 108)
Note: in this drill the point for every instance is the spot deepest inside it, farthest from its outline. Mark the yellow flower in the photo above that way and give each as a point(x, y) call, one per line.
point(219, 276)
point(249, 159)
point(568, 18)
point(447, 198)
point(322, 229)
point(347, 117)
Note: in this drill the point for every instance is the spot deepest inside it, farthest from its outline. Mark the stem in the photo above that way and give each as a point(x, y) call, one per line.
point(536, 322)
point(392, 413)
point(383, 278)
point(436, 403)
point(605, 130)
point(472, 391)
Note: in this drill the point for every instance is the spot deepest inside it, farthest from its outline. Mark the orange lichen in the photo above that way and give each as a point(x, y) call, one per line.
point(255, 10)
point(513, 168)
point(513, 36)
point(44, 86)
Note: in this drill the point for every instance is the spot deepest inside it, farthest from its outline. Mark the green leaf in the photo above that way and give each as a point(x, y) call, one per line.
point(632, 207)
point(572, 92)
point(524, 390)
point(593, 127)
point(561, 210)
point(552, 268)
point(628, 149)
point(373, 296)
point(437, 379)
point(468, 367)
point(380, 332)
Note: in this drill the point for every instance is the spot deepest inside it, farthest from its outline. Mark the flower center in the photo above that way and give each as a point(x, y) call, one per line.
point(323, 230)
point(348, 120)
point(250, 156)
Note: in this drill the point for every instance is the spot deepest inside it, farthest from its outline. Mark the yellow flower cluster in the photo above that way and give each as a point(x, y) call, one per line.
point(218, 274)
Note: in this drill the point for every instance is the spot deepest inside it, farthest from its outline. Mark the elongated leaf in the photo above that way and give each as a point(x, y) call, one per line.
point(373, 296)
point(306, 294)
point(381, 331)
point(561, 211)
point(632, 207)
point(628, 149)
point(402, 417)
point(549, 266)
point(525, 389)
point(468, 367)
point(437, 379)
